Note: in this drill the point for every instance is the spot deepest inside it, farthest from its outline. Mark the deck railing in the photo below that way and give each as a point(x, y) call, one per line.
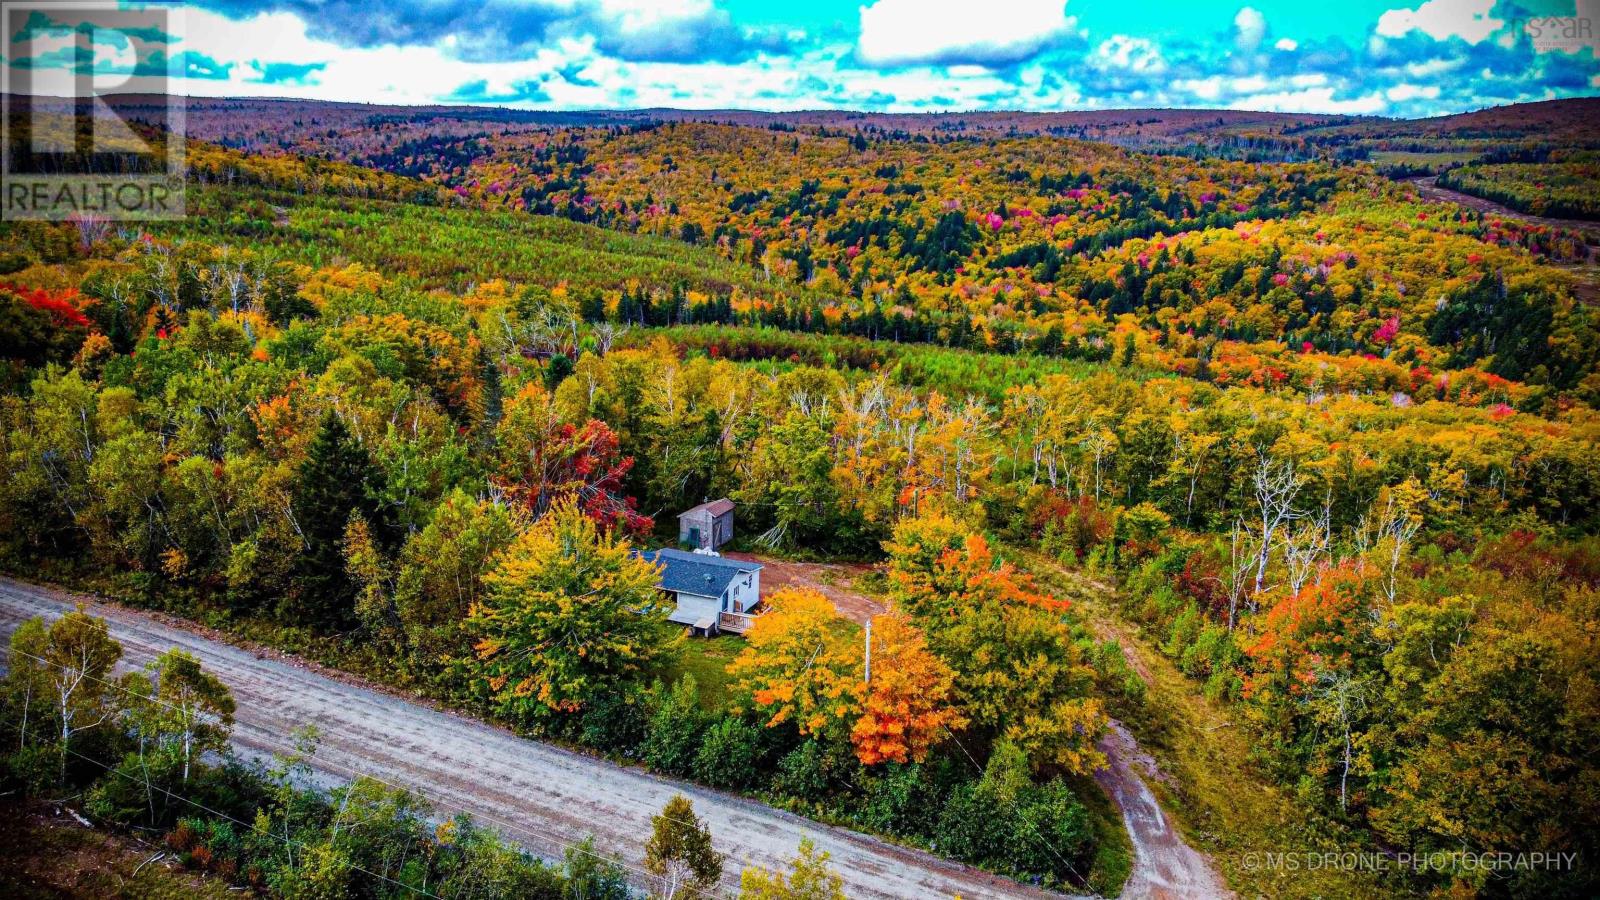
point(738, 622)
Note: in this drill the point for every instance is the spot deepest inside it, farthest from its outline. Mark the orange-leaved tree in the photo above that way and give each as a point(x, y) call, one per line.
point(802, 662)
point(1019, 673)
point(909, 701)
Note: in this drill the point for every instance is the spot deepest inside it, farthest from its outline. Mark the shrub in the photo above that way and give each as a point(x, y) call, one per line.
point(616, 722)
point(672, 738)
point(729, 756)
point(899, 798)
point(804, 772)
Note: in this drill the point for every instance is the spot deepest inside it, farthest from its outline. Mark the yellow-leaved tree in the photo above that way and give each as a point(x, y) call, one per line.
point(569, 612)
point(1019, 673)
point(802, 662)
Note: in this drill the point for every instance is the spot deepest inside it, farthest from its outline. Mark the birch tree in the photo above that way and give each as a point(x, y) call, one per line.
point(679, 853)
point(76, 669)
point(1276, 486)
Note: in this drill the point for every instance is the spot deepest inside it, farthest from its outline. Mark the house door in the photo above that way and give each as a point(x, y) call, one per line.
point(694, 535)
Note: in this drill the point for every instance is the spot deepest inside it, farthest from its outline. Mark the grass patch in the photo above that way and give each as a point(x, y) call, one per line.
point(1432, 160)
point(707, 660)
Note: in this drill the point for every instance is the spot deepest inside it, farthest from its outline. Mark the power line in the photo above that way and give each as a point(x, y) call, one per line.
point(222, 815)
point(1046, 844)
point(351, 772)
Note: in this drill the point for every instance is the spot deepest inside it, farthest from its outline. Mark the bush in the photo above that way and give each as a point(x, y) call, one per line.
point(322, 873)
point(33, 768)
point(616, 722)
point(592, 877)
point(1005, 822)
point(804, 773)
point(970, 828)
point(899, 798)
point(124, 798)
point(479, 863)
point(1053, 836)
point(672, 738)
point(729, 756)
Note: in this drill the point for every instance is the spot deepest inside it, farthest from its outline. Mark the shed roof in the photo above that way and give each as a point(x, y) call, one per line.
point(697, 573)
point(715, 507)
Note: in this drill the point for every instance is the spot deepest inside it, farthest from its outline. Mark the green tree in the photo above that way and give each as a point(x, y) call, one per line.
point(569, 613)
point(677, 722)
point(73, 665)
point(333, 483)
point(679, 852)
point(789, 473)
point(729, 754)
point(27, 685)
point(194, 707)
point(809, 878)
point(441, 570)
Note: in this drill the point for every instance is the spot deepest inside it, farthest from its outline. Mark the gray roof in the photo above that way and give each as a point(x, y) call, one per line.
point(715, 507)
point(697, 573)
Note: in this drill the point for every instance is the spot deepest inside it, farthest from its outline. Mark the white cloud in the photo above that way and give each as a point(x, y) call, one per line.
point(1313, 100)
point(907, 32)
point(1128, 53)
point(1400, 93)
point(1469, 20)
point(1251, 26)
point(1203, 88)
point(1287, 45)
point(1431, 67)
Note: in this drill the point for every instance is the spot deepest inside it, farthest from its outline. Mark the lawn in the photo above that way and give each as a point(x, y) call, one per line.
point(707, 660)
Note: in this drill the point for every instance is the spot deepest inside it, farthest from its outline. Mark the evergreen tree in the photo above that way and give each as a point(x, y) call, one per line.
point(334, 482)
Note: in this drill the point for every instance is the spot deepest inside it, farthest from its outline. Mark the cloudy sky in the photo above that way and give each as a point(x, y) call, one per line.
point(1356, 56)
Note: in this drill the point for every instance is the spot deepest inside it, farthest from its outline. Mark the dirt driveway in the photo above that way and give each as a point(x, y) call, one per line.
point(543, 797)
point(833, 580)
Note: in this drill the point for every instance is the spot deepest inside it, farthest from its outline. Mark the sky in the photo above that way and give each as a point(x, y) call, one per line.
point(1364, 57)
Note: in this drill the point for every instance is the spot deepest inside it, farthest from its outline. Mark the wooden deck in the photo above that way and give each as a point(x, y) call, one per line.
point(738, 623)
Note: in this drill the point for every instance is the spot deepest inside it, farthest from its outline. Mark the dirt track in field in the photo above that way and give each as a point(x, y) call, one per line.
point(1429, 188)
point(541, 796)
point(832, 580)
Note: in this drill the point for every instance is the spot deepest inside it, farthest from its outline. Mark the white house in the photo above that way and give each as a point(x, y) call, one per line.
point(710, 594)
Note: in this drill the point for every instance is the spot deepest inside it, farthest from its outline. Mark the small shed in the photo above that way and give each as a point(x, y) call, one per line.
point(707, 526)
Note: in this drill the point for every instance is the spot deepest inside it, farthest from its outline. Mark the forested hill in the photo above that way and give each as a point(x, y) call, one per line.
point(1330, 446)
point(1315, 276)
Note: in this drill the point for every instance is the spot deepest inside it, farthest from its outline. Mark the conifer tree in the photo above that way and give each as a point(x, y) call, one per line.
point(334, 483)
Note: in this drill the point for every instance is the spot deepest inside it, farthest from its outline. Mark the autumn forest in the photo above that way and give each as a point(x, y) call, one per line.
point(1268, 443)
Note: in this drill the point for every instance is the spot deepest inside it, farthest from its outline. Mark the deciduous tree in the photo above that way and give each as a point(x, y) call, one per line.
point(569, 611)
point(679, 852)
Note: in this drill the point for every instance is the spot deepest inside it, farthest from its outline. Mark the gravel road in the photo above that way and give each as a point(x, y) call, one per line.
point(541, 796)
point(1164, 866)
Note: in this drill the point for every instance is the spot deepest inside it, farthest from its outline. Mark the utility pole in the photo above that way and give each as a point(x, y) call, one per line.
point(869, 651)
